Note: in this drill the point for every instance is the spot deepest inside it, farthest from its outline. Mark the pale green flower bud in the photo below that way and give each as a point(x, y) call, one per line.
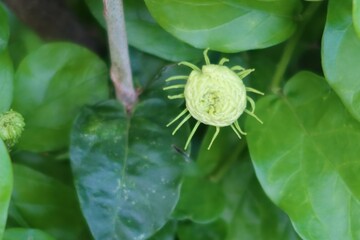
point(11, 126)
point(214, 95)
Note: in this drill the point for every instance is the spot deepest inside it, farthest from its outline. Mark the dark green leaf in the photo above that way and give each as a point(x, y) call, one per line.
point(194, 231)
point(226, 26)
point(145, 68)
point(166, 233)
point(306, 158)
point(6, 185)
point(145, 34)
point(250, 214)
point(223, 152)
point(4, 29)
point(26, 234)
point(341, 55)
point(126, 172)
point(46, 164)
point(6, 81)
point(200, 200)
point(22, 41)
point(47, 204)
point(97, 10)
point(51, 84)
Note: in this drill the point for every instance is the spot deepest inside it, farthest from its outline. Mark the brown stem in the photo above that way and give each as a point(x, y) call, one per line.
point(120, 62)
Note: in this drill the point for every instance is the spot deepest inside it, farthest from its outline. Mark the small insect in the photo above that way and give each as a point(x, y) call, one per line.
point(214, 95)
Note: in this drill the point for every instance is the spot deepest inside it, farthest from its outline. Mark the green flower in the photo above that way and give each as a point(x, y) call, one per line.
point(215, 95)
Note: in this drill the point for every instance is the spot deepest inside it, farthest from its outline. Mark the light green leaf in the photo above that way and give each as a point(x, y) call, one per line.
point(26, 234)
point(6, 185)
point(6, 81)
point(47, 204)
point(145, 34)
point(306, 158)
point(341, 55)
point(4, 28)
point(126, 171)
point(356, 16)
point(51, 85)
point(226, 26)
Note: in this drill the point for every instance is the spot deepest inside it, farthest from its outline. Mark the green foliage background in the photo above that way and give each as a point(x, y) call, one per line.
point(84, 169)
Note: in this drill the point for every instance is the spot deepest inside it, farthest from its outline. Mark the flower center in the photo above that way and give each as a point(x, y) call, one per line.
point(215, 96)
point(210, 101)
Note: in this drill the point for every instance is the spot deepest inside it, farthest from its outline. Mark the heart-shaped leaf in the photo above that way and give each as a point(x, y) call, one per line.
point(306, 158)
point(51, 84)
point(226, 26)
point(126, 173)
point(341, 55)
point(6, 184)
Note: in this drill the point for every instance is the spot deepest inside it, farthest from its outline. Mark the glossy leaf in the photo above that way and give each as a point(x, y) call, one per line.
point(127, 174)
point(145, 34)
point(47, 204)
point(341, 55)
point(306, 158)
point(51, 85)
point(226, 26)
point(4, 29)
point(6, 81)
point(200, 200)
point(26, 234)
point(356, 16)
point(6, 185)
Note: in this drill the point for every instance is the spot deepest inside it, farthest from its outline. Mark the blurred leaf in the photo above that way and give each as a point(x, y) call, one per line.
point(4, 29)
point(6, 81)
point(97, 10)
point(250, 213)
point(22, 41)
point(222, 152)
point(200, 200)
point(145, 34)
point(46, 164)
point(341, 55)
point(356, 16)
point(51, 84)
point(6, 185)
point(306, 158)
point(195, 231)
point(166, 233)
point(126, 173)
point(47, 204)
point(226, 26)
point(26, 234)
point(145, 68)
